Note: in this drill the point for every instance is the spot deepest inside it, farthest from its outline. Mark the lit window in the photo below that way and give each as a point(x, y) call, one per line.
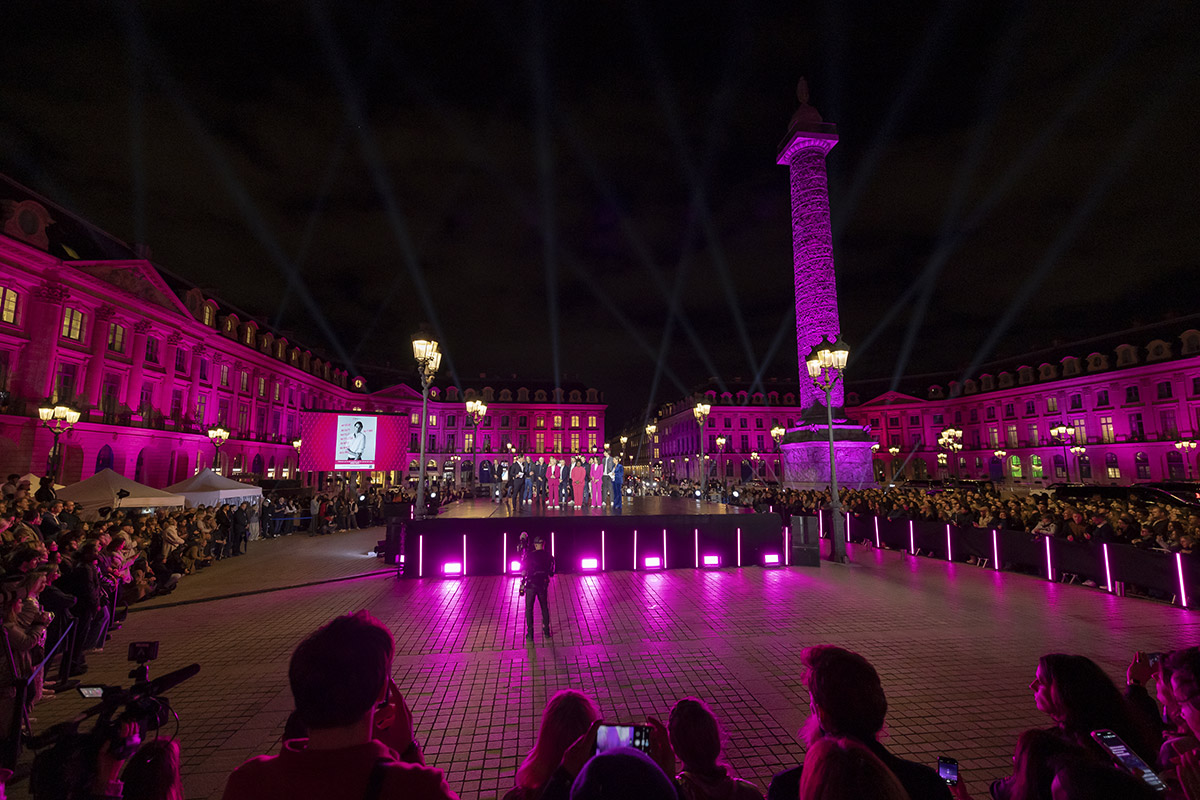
point(224, 374)
point(208, 315)
point(72, 327)
point(592, 421)
point(262, 387)
point(245, 379)
point(574, 421)
point(8, 306)
point(416, 418)
point(116, 338)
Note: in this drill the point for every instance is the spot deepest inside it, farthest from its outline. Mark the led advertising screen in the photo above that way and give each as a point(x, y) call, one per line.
point(339, 440)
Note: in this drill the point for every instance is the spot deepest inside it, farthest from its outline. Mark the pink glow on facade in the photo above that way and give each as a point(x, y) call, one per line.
point(551, 543)
point(696, 544)
point(464, 561)
point(589, 563)
point(635, 548)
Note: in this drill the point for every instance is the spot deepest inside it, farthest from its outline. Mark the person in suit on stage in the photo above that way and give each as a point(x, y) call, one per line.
point(540, 477)
point(553, 480)
point(617, 482)
point(610, 465)
point(517, 470)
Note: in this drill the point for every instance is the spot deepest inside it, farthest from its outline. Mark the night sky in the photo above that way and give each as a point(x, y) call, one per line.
point(588, 191)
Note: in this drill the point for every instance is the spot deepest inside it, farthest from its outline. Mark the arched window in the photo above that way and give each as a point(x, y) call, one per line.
point(1111, 467)
point(1060, 467)
point(1035, 467)
point(1085, 468)
point(104, 459)
point(1014, 468)
point(139, 470)
point(1143, 466)
point(1175, 471)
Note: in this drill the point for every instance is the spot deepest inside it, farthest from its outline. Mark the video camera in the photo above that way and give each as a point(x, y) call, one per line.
point(66, 757)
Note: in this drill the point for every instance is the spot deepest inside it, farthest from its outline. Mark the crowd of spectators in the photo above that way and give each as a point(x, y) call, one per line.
point(1141, 524)
point(352, 736)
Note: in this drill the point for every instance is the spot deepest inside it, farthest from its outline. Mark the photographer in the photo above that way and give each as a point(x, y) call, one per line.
point(360, 741)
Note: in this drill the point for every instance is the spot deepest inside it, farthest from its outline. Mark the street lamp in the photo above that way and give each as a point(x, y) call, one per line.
point(1064, 433)
point(476, 411)
point(1078, 451)
point(219, 436)
point(894, 451)
point(1003, 456)
point(58, 419)
point(721, 440)
point(951, 441)
point(425, 351)
point(825, 365)
point(1187, 447)
point(701, 412)
point(296, 444)
point(650, 429)
point(777, 434)
point(754, 463)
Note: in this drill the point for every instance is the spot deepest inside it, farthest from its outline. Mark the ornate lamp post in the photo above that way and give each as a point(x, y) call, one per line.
point(220, 436)
point(624, 440)
point(777, 434)
point(58, 419)
point(701, 412)
point(942, 463)
point(825, 365)
point(754, 463)
point(951, 441)
point(894, 451)
point(650, 429)
point(425, 351)
point(1064, 433)
point(1003, 456)
point(296, 444)
point(476, 411)
point(1078, 451)
point(721, 440)
point(1188, 448)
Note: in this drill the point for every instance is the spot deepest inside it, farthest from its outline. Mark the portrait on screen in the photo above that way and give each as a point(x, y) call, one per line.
point(356, 439)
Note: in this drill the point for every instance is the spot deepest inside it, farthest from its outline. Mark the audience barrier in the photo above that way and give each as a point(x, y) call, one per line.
point(1110, 565)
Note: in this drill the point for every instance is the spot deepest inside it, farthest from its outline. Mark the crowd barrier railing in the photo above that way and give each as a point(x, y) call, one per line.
point(1110, 565)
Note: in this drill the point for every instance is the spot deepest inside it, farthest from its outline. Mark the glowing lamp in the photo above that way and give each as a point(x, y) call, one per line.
point(452, 568)
point(589, 563)
point(653, 562)
point(46, 413)
point(697, 494)
point(514, 566)
point(712, 561)
point(771, 559)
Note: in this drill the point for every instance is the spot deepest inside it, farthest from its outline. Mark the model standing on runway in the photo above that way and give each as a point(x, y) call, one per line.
point(553, 477)
point(578, 477)
point(597, 476)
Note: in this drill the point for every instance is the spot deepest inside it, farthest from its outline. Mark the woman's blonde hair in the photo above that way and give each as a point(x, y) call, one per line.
point(844, 769)
point(568, 716)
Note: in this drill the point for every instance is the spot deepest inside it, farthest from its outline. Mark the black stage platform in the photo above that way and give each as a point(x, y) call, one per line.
point(479, 537)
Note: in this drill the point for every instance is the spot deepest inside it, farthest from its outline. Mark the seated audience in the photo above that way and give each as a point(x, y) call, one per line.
point(566, 718)
point(844, 769)
point(695, 737)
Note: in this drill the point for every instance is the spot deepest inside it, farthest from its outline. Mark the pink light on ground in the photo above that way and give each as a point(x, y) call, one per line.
point(771, 559)
point(995, 550)
point(1182, 587)
point(589, 563)
point(653, 562)
point(1049, 566)
point(421, 556)
point(949, 552)
point(1107, 568)
point(452, 568)
point(712, 561)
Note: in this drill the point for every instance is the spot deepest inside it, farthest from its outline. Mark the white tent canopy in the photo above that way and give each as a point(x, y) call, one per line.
point(208, 488)
point(100, 491)
point(35, 481)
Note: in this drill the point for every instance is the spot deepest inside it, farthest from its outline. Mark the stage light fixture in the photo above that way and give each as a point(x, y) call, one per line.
point(452, 568)
point(514, 566)
point(771, 559)
point(589, 563)
point(712, 561)
point(652, 562)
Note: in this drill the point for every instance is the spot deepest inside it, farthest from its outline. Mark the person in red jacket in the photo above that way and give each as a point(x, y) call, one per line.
point(360, 743)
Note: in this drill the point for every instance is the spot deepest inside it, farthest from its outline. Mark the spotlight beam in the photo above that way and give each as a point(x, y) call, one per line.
point(539, 69)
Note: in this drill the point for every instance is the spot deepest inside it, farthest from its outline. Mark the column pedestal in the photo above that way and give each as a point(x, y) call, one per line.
point(806, 457)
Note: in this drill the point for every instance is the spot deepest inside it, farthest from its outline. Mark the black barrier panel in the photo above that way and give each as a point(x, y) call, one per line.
point(1023, 551)
point(894, 533)
point(1078, 558)
point(971, 543)
point(931, 538)
point(1144, 568)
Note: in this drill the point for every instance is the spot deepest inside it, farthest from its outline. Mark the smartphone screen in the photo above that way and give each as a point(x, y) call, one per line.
point(948, 770)
point(92, 692)
point(610, 737)
point(1128, 759)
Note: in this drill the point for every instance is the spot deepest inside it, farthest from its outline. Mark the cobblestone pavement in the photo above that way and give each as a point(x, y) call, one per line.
point(956, 646)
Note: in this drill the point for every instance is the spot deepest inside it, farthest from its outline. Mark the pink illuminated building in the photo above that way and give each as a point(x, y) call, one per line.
point(152, 364)
point(1130, 401)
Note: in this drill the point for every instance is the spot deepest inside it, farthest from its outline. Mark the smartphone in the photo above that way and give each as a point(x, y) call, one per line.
point(1155, 659)
point(1127, 759)
point(948, 770)
point(92, 692)
point(610, 737)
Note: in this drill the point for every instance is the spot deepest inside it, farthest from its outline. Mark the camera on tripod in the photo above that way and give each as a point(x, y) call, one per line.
point(67, 757)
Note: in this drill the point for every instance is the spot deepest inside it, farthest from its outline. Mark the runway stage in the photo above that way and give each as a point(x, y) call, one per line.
point(479, 537)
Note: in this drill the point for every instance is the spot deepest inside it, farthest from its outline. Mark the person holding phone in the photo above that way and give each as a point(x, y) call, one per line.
point(617, 774)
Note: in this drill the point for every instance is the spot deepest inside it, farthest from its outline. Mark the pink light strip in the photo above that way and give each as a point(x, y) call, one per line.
point(602, 551)
point(664, 548)
point(820, 525)
point(1107, 568)
point(877, 544)
point(552, 544)
point(1049, 566)
point(995, 550)
point(421, 556)
point(787, 545)
point(912, 539)
point(696, 535)
point(949, 552)
point(504, 557)
point(635, 548)
point(1182, 588)
point(739, 546)
point(464, 564)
